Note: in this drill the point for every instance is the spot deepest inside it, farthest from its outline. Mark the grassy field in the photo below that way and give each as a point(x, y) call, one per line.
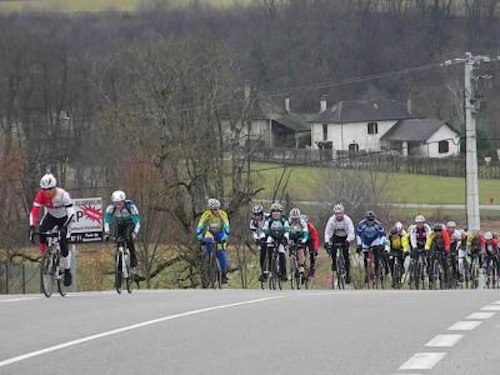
point(305, 184)
point(97, 5)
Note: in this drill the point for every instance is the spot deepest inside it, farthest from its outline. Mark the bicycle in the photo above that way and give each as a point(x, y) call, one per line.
point(337, 250)
point(50, 271)
point(274, 271)
point(396, 268)
point(416, 269)
point(491, 271)
point(298, 278)
point(437, 271)
point(474, 269)
point(214, 270)
point(123, 271)
point(371, 277)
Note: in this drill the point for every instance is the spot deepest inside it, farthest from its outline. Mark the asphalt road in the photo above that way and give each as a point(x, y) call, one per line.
point(252, 332)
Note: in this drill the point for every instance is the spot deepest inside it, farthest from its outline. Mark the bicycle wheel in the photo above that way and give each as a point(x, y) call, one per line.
point(341, 273)
point(63, 289)
point(381, 274)
point(47, 274)
point(274, 274)
point(396, 275)
point(214, 272)
point(293, 272)
point(118, 273)
point(129, 281)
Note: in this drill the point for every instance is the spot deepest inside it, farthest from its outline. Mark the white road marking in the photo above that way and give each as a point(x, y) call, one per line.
point(491, 308)
point(54, 348)
point(465, 325)
point(444, 340)
point(422, 361)
point(496, 303)
point(481, 315)
point(18, 299)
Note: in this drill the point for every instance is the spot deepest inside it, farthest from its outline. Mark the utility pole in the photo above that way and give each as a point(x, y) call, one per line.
point(471, 109)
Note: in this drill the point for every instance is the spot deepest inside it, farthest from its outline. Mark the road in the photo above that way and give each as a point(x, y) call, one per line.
point(251, 332)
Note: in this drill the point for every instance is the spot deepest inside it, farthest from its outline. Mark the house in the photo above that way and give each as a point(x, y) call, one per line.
point(422, 137)
point(361, 126)
point(271, 125)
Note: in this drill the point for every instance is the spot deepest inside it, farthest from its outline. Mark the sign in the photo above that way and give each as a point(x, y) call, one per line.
point(88, 222)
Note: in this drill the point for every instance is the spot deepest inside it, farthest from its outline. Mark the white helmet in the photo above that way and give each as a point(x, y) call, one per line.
point(276, 207)
point(294, 213)
point(488, 236)
point(398, 226)
point(420, 219)
point(338, 208)
point(451, 224)
point(48, 181)
point(213, 204)
point(118, 196)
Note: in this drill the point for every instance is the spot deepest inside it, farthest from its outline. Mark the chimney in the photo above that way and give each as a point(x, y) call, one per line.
point(409, 106)
point(287, 104)
point(247, 89)
point(322, 103)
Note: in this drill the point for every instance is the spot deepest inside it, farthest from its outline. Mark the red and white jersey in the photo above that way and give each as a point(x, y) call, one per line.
point(59, 206)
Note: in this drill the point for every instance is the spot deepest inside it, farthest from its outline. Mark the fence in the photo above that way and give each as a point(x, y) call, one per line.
point(19, 278)
point(380, 161)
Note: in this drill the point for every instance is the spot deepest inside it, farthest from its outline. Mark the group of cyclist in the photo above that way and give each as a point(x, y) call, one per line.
point(277, 230)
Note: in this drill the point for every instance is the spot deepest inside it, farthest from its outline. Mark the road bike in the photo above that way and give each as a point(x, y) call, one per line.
point(124, 276)
point(50, 270)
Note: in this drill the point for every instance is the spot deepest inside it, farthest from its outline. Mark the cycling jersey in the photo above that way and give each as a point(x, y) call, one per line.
point(257, 225)
point(370, 234)
point(419, 235)
point(438, 243)
point(214, 225)
point(339, 228)
point(128, 215)
point(59, 206)
point(277, 229)
point(314, 236)
point(299, 231)
point(398, 241)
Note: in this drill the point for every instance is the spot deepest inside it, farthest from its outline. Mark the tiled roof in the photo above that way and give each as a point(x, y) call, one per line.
point(363, 111)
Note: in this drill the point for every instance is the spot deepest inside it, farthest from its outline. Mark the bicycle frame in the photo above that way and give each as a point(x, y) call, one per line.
point(122, 265)
point(50, 272)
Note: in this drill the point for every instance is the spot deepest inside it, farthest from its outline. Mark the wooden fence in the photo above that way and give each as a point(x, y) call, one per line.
point(380, 161)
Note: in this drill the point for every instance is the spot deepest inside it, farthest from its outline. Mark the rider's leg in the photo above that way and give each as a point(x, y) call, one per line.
point(282, 262)
point(347, 260)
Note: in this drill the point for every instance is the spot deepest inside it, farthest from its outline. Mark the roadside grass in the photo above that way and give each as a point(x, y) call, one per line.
point(101, 5)
point(305, 182)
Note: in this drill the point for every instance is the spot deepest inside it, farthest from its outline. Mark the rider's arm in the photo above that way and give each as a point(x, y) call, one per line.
point(38, 203)
point(286, 227)
point(405, 242)
point(351, 234)
point(329, 229)
point(225, 222)
point(136, 218)
point(447, 241)
point(428, 241)
point(413, 237)
point(203, 220)
point(108, 218)
point(70, 209)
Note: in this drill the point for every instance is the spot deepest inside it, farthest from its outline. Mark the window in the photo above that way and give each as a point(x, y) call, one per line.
point(325, 132)
point(353, 148)
point(372, 128)
point(444, 147)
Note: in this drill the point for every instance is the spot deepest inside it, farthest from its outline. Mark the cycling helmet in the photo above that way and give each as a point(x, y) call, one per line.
point(118, 196)
point(338, 208)
point(394, 231)
point(276, 207)
point(488, 236)
point(213, 204)
point(294, 213)
point(370, 215)
point(257, 209)
point(398, 226)
point(420, 219)
point(438, 227)
point(451, 224)
point(48, 181)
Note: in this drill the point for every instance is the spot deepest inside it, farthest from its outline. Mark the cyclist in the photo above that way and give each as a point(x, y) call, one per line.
point(398, 246)
point(370, 234)
point(489, 248)
point(437, 244)
point(123, 213)
point(339, 230)
point(312, 245)
point(455, 244)
point(277, 230)
point(58, 211)
point(299, 235)
point(214, 227)
point(256, 224)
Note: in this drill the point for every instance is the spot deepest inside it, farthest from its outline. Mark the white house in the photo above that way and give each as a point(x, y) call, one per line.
point(358, 126)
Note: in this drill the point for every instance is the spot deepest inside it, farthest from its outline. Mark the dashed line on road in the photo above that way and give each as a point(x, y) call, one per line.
point(54, 348)
point(444, 340)
point(481, 315)
point(465, 325)
point(491, 308)
point(422, 361)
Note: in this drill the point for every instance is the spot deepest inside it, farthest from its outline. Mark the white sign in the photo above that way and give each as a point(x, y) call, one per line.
point(88, 223)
